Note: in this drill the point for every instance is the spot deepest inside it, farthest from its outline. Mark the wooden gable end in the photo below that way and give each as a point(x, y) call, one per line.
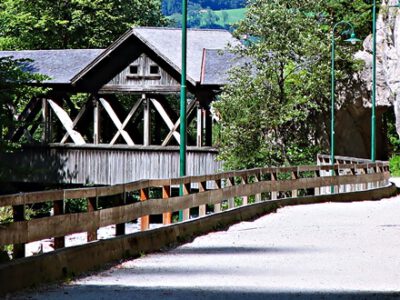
point(142, 75)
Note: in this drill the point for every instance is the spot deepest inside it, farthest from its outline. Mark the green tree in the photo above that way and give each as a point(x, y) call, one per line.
point(44, 24)
point(273, 110)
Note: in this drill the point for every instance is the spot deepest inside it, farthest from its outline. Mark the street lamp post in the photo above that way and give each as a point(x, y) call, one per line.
point(353, 39)
point(183, 104)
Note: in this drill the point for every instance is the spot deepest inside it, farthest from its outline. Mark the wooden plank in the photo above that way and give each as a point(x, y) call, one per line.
point(67, 123)
point(186, 211)
point(167, 120)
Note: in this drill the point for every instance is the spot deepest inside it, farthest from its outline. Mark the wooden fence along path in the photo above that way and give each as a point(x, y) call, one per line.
point(202, 195)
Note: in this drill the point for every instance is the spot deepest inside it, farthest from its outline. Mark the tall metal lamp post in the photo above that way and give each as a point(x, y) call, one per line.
point(183, 104)
point(353, 39)
point(373, 108)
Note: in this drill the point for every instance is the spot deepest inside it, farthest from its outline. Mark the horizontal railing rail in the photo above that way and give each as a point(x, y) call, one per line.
point(202, 195)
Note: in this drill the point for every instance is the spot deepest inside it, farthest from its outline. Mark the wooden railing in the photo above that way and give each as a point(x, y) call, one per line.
point(202, 195)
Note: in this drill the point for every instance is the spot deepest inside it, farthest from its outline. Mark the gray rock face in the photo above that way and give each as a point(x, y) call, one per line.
point(387, 58)
point(353, 126)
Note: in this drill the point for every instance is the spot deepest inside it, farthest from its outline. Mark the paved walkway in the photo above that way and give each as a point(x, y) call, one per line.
point(329, 251)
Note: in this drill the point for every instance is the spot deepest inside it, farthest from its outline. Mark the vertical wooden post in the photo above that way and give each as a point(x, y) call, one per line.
point(245, 198)
point(166, 194)
point(208, 127)
point(186, 211)
point(274, 177)
point(19, 215)
point(231, 201)
point(147, 121)
point(202, 208)
point(96, 121)
point(217, 206)
point(59, 209)
point(144, 220)
point(92, 206)
point(120, 228)
point(199, 137)
point(294, 177)
point(317, 190)
point(257, 178)
point(45, 121)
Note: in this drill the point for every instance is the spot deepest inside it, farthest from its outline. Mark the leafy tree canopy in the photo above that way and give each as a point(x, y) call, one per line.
point(57, 24)
point(273, 110)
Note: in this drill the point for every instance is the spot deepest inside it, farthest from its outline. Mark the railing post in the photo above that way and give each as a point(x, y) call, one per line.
point(217, 206)
point(202, 208)
point(245, 198)
point(144, 220)
point(294, 177)
point(59, 209)
point(231, 201)
point(257, 178)
point(186, 211)
point(166, 194)
point(120, 228)
point(317, 190)
point(91, 207)
point(274, 177)
point(18, 215)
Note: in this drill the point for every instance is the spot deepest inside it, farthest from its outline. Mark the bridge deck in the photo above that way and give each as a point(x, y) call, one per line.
point(333, 249)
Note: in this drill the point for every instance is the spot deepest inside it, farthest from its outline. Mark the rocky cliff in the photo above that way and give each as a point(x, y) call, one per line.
point(354, 117)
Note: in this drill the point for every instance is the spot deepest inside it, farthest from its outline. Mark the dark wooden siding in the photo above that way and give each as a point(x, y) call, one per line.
point(112, 165)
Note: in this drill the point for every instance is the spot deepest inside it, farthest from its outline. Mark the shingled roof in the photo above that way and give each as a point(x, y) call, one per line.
point(217, 64)
point(73, 65)
point(59, 65)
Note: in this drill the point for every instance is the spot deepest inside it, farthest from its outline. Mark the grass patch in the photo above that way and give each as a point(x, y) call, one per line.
point(231, 16)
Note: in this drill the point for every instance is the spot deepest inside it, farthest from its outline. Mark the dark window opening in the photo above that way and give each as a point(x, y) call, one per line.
point(154, 70)
point(134, 69)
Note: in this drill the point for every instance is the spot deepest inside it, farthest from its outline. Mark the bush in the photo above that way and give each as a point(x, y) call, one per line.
point(395, 165)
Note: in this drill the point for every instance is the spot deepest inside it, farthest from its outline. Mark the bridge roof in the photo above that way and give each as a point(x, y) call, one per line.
point(92, 68)
point(217, 64)
point(60, 65)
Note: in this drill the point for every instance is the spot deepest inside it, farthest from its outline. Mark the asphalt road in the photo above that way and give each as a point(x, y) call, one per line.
point(319, 251)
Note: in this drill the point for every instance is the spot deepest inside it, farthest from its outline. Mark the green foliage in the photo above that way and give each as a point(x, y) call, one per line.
point(273, 110)
point(394, 164)
point(170, 7)
point(45, 24)
point(14, 94)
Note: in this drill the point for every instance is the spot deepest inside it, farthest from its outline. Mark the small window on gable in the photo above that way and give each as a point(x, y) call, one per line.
point(154, 70)
point(134, 70)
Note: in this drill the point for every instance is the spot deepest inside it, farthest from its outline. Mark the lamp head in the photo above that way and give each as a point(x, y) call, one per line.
point(353, 39)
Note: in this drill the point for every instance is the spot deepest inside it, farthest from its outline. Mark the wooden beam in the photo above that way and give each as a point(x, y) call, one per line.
point(67, 123)
point(59, 209)
point(146, 121)
point(92, 206)
point(18, 216)
point(127, 119)
point(116, 121)
point(167, 120)
point(171, 134)
point(74, 123)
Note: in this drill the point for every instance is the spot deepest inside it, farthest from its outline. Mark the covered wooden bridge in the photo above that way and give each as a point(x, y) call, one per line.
point(111, 115)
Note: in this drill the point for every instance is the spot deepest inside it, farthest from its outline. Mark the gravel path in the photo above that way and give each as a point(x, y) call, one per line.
point(320, 251)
